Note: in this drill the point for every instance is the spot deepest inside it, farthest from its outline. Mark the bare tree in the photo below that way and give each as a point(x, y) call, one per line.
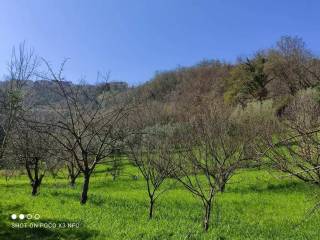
point(211, 150)
point(291, 64)
point(32, 150)
point(115, 164)
point(65, 159)
point(152, 153)
point(73, 170)
point(295, 149)
point(22, 67)
point(82, 125)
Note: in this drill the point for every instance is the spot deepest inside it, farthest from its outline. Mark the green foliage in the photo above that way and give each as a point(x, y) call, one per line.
point(248, 80)
point(162, 84)
point(15, 97)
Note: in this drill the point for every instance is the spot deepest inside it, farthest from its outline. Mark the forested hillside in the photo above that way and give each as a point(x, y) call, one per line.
point(276, 75)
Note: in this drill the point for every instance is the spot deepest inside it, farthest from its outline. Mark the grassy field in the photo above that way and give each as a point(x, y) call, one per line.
point(255, 206)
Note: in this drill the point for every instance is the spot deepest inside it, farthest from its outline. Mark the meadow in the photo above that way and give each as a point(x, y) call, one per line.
point(255, 205)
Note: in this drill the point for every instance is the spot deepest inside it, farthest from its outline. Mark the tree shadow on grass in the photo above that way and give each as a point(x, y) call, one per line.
point(7, 231)
point(271, 187)
point(94, 199)
point(14, 185)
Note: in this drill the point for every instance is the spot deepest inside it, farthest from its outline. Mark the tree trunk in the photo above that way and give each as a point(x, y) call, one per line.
point(73, 174)
point(72, 181)
point(35, 186)
point(85, 189)
point(207, 213)
point(222, 187)
point(151, 208)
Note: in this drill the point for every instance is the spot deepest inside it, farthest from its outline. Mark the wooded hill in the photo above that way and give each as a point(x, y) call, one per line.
point(278, 73)
point(275, 75)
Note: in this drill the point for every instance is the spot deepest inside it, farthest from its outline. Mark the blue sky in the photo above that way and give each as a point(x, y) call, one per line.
point(135, 38)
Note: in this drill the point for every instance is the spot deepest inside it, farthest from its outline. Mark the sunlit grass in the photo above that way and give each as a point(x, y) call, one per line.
point(255, 205)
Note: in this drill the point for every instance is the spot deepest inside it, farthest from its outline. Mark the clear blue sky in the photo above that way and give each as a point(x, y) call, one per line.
point(135, 38)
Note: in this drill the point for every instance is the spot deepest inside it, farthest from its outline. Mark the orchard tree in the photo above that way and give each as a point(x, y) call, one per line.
point(116, 164)
point(82, 125)
point(211, 150)
point(22, 67)
point(295, 149)
point(68, 160)
point(149, 148)
point(152, 153)
point(33, 150)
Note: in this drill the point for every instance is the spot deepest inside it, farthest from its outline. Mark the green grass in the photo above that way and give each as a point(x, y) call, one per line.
point(255, 206)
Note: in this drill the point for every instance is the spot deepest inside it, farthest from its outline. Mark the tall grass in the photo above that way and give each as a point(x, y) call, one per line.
point(255, 205)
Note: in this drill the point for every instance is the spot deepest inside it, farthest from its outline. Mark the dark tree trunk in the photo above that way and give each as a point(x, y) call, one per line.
point(72, 181)
point(207, 213)
point(85, 189)
point(34, 177)
point(222, 182)
point(35, 186)
point(73, 174)
point(151, 208)
point(222, 187)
